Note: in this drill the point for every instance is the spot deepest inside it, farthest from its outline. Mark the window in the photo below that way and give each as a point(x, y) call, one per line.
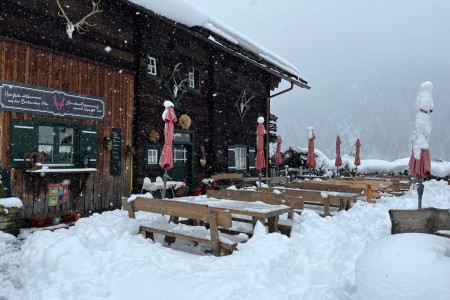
point(152, 65)
point(56, 142)
point(191, 78)
point(194, 79)
point(182, 137)
point(63, 144)
point(179, 155)
point(152, 156)
point(241, 158)
point(153, 152)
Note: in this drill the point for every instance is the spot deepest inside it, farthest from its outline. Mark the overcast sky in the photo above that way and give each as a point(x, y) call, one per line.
point(340, 45)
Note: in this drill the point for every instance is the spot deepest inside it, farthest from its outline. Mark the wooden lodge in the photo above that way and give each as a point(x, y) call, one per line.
point(81, 118)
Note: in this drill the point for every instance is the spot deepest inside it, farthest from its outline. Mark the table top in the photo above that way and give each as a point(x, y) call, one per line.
point(255, 209)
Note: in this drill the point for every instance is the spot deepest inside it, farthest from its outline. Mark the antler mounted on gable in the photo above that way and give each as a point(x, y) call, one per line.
point(242, 103)
point(181, 85)
point(80, 25)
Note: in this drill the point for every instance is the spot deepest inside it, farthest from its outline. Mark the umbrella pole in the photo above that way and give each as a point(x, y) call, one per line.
point(163, 194)
point(309, 173)
point(260, 178)
point(420, 191)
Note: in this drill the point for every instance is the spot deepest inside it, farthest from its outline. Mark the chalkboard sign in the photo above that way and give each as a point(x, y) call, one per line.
point(27, 98)
point(116, 138)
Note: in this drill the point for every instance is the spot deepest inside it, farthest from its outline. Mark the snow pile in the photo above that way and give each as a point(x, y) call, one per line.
point(12, 202)
point(439, 169)
point(405, 266)
point(103, 257)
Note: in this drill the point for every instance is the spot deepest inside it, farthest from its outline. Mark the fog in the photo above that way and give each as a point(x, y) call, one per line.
point(364, 61)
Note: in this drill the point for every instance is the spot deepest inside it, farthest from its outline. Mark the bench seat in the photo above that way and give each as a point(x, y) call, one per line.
point(195, 213)
point(198, 234)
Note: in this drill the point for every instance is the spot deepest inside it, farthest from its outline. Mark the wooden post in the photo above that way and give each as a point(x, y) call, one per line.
point(214, 232)
point(326, 206)
point(131, 211)
point(369, 193)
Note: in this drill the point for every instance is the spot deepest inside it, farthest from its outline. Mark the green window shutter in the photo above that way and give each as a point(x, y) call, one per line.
point(24, 138)
point(152, 166)
point(88, 142)
point(231, 158)
point(251, 158)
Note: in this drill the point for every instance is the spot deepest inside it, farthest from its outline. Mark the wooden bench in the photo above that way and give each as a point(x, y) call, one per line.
point(227, 179)
point(428, 220)
point(338, 186)
point(219, 242)
point(280, 180)
point(341, 200)
point(283, 225)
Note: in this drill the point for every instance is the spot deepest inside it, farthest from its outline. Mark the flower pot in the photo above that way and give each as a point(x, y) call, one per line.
point(197, 192)
point(48, 221)
point(56, 220)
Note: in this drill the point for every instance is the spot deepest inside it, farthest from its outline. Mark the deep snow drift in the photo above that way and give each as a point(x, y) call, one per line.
point(101, 257)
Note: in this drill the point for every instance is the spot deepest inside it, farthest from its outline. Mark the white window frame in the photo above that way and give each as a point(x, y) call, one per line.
point(191, 78)
point(240, 158)
point(152, 65)
point(178, 150)
point(152, 156)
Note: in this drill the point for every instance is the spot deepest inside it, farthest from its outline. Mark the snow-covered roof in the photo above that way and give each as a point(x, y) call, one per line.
point(186, 13)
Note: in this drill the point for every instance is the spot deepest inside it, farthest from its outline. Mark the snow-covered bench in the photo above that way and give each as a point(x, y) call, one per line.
point(219, 242)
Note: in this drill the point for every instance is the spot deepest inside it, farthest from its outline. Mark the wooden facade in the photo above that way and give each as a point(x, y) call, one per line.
point(132, 58)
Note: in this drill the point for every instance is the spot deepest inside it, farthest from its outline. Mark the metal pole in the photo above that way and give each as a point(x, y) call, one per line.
point(260, 183)
point(163, 194)
point(420, 191)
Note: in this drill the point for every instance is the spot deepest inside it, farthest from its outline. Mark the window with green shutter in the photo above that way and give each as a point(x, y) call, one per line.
point(88, 140)
point(24, 138)
point(151, 156)
point(241, 158)
point(62, 144)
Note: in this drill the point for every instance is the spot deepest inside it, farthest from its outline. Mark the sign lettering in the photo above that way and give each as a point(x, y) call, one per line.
point(37, 100)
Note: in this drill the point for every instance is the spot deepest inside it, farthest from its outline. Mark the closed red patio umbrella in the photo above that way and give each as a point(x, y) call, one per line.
point(420, 167)
point(278, 160)
point(311, 159)
point(166, 159)
point(338, 161)
point(260, 162)
point(358, 154)
point(420, 161)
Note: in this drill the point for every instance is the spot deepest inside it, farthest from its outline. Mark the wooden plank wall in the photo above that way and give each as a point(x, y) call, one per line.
point(215, 120)
point(38, 66)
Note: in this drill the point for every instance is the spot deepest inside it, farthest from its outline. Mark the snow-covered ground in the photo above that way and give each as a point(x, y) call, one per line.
point(348, 256)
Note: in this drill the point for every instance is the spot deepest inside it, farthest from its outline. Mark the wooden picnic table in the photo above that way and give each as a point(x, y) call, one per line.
point(342, 200)
point(258, 211)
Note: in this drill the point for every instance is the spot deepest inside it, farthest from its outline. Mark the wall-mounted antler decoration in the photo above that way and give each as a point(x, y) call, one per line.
point(176, 84)
point(81, 25)
point(182, 84)
point(242, 103)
